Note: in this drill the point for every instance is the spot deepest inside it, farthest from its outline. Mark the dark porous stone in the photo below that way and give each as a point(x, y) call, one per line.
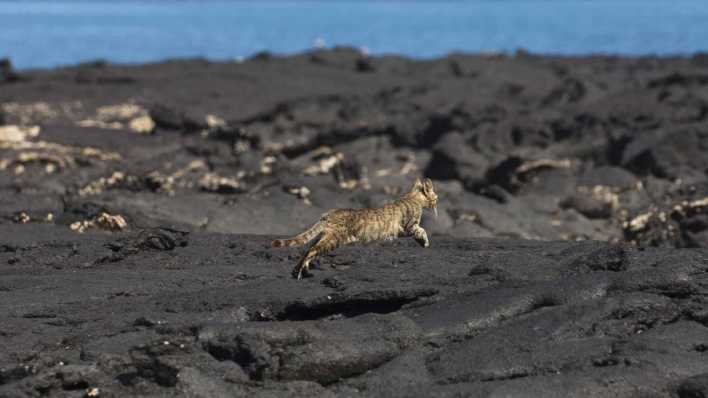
point(568, 257)
point(694, 387)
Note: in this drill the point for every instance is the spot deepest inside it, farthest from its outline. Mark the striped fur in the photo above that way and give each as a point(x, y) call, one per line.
point(344, 226)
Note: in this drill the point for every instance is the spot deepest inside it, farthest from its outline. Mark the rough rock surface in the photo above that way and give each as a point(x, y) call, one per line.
point(570, 256)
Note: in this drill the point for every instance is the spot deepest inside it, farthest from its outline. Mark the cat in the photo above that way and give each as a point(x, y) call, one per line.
point(339, 227)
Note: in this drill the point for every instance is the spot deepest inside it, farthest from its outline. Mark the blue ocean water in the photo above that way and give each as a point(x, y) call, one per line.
point(50, 33)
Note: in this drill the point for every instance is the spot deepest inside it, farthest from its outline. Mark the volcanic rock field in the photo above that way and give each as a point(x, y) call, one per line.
point(569, 256)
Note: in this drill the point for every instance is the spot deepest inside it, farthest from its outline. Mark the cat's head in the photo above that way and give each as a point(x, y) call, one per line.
point(423, 190)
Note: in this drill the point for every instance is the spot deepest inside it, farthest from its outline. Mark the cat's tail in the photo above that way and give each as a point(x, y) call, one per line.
point(302, 238)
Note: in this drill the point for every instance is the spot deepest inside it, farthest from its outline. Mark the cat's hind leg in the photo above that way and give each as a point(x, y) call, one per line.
point(326, 243)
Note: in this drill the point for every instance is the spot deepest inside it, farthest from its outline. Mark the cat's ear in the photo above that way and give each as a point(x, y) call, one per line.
point(417, 185)
point(427, 185)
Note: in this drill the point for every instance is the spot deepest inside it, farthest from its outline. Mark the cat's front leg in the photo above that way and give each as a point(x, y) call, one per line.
point(420, 236)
